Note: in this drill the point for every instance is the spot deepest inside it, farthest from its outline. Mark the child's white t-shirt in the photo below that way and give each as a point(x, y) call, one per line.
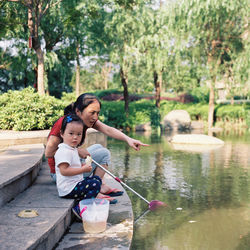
point(65, 153)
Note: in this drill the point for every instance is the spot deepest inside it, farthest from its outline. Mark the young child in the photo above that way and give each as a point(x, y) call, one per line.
point(69, 170)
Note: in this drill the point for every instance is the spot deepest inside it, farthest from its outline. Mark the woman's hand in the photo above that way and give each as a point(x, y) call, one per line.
point(135, 144)
point(83, 153)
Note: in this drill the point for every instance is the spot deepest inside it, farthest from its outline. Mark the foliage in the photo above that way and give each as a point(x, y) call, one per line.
point(210, 35)
point(59, 77)
point(155, 118)
point(198, 111)
point(90, 79)
point(102, 93)
point(134, 35)
point(200, 94)
point(10, 18)
point(20, 71)
point(143, 111)
point(247, 115)
point(231, 113)
point(68, 98)
point(112, 114)
point(27, 110)
point(140, 112)
point(186, 42)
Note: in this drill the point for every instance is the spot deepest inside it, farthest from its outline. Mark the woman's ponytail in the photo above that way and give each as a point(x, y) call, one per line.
point(69, 109)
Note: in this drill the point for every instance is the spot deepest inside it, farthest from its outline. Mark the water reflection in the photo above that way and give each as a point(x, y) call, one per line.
point(211, 188)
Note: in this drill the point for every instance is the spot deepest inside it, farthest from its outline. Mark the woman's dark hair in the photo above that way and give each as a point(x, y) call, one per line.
point(81, 103)
point(73, 118)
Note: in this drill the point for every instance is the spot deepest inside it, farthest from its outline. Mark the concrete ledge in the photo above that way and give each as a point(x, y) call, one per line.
point(19, 167)
point(11, 134)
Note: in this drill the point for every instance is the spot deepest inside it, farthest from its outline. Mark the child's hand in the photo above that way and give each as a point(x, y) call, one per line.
point(86, 168)
point(88, 160)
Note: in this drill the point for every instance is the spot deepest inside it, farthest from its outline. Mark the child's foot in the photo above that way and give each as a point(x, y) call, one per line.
point(106, 197)
point(106, 190)
point(113, 192)
point(76, 211)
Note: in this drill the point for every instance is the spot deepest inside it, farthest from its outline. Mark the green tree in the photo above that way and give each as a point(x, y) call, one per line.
point(10, 19)
point(123, 29)
point(213, 29)
point(35, 13)
point(83, 21)
point(154, 45)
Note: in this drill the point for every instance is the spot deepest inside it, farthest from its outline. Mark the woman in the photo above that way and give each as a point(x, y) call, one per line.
point(87, 107)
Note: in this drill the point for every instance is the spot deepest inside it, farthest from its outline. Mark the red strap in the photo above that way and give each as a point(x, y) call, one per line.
point(117, 179)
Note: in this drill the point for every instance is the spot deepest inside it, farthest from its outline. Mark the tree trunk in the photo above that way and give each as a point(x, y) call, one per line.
point(124, 80)
point(77, 71)
point(105, 74)
point(157, 83)
point(40, 72)
point(211, 108)
point(232, 100)
point(213, 70)
point(33, 25)
point(77, 80)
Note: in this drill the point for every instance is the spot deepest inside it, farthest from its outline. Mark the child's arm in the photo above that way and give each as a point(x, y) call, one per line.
point(66, 170)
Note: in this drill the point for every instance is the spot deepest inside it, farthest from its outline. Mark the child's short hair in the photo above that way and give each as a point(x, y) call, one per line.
point(73, 118)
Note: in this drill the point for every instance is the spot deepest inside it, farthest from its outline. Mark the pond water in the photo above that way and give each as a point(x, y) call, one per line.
point(207, 192)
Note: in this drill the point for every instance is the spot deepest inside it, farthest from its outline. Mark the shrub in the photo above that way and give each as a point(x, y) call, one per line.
point(68, 98)
point(198, 111)
point(200, 94)
point(247, 114)
point(101, 93)
point(140, 111)
point(112, 114)
point(27, 110)
point(230, 113)
point(155, 118)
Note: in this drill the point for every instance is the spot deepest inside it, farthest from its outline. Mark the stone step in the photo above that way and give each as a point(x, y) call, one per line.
point(19, 167)
point(42, 231)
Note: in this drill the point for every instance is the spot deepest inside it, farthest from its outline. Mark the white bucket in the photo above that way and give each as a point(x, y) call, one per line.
point(94, 213)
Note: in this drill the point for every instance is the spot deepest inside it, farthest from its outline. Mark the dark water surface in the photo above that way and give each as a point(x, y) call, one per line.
point(207, 192)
